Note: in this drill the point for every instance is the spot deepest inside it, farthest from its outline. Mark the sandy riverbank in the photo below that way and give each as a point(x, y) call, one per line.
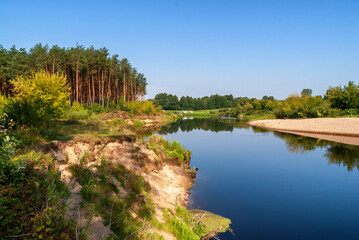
point(343, 130)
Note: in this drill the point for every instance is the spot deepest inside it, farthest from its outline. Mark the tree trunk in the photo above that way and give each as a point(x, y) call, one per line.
point(93, 87)
point(102, 90)
point(117, 90)
point(45, 63)
point(124, 89)
point(53, 63)
point(109, 89)
point(77, 79)
point(135, 96)
point(131, 90)
point(80, 90)
point(89, 97)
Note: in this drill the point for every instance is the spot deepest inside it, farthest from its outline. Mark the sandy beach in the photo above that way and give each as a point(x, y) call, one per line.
point(343, 130)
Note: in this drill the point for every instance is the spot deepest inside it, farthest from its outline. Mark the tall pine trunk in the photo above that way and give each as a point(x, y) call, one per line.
point(131, 89)
point(102, 89)
point(135, 96)
point(99, 88)
point(77, 79)
point(93, 87)
point(89, 97)
point(124, 89)
point(109, 88)
point(53, 63)
point(116, 90)
point(45, 63)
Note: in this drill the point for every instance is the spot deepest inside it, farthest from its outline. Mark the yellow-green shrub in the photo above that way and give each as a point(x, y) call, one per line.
point(38, 98)
point(3, 101)
point(145, 107)
point(77, 111)
point(296, 106)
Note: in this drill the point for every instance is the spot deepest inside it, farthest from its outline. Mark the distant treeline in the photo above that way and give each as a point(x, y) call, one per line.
point(337, 101)
point(172, 102)
point(94, 75)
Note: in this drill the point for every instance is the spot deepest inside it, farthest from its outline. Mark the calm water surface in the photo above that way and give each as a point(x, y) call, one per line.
point(272, 185)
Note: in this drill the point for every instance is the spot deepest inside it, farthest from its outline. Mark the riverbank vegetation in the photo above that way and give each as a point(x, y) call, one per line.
point(173, 149)
point(336, 102)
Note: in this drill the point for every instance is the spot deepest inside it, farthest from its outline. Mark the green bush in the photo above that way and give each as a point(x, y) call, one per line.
point(38, 98)
point(145, 107)
point(32, 200)
point(170, 149)
point(77, 112)
point(349, 112)
point(8, 169)
point(95, 107)
point(138, 124)
point(304, 106)
point(3, 102)
point(346, 97)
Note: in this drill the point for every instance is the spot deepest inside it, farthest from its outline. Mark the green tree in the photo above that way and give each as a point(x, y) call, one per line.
point(184, 103)
point(306, 92)
point(38, 57)
point(344, 98)
point(173, 102)
point(125, 69)
point(190, 102)
point(38, 98)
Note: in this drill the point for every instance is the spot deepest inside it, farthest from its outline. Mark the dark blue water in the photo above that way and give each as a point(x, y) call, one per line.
point(272, 185)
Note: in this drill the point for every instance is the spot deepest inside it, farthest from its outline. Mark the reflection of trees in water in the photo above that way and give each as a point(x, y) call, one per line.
point(260, 130)
point(300, 144)
point(207, 124)
point(336, 153)
point(348, 156)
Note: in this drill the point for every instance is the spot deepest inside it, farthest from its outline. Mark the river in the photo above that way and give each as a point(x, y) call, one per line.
point(271, 185)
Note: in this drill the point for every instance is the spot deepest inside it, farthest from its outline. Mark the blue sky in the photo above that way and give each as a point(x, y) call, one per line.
point(197, 48)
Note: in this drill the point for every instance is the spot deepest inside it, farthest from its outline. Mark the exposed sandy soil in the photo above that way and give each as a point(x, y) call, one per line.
point(343, 130)
point(168, 182)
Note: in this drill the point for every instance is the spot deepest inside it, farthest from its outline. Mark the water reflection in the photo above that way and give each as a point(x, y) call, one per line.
point(336, 153)
point(207, 124)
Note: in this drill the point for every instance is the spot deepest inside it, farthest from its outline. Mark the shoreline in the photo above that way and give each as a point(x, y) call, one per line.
point(342, 130)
